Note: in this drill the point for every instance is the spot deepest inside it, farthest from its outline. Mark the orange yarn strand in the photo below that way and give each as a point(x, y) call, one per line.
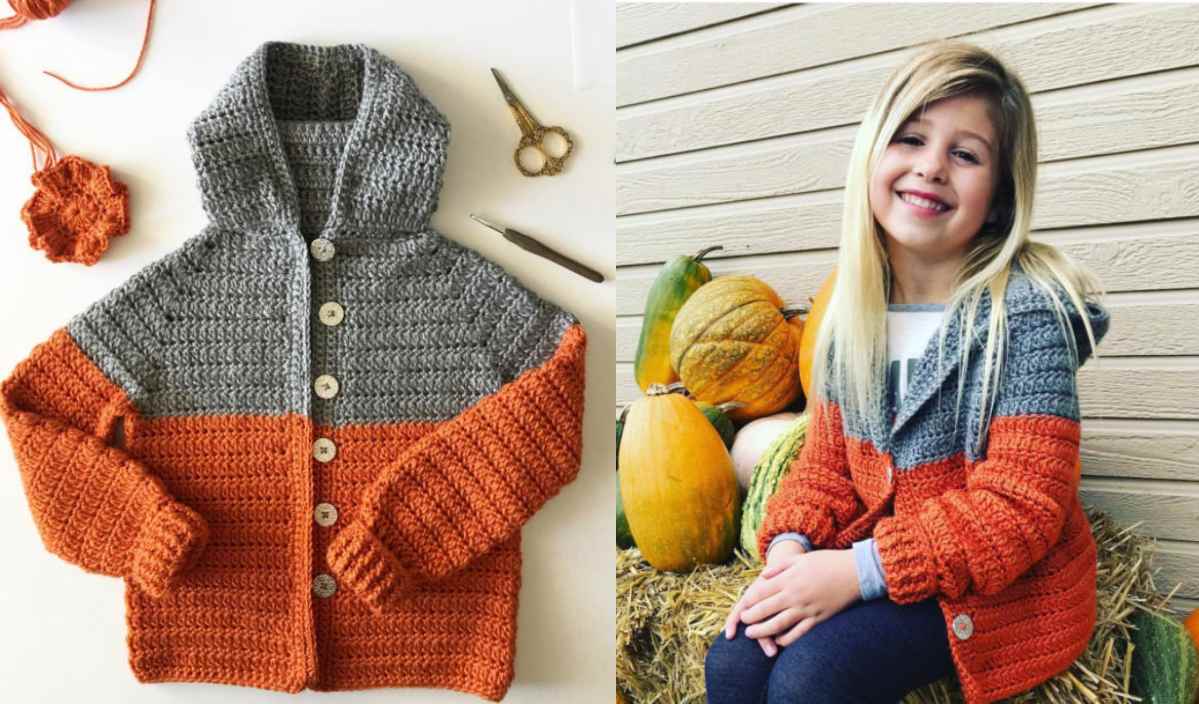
point(37, 140)
point(12, 22)
point(27, 10)
point(140, 58)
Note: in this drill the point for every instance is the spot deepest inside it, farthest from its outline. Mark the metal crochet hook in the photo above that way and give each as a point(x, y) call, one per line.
point(525, 242)
point(533, 134)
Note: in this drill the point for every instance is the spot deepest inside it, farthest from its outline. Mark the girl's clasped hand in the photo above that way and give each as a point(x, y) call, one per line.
point(794, 592)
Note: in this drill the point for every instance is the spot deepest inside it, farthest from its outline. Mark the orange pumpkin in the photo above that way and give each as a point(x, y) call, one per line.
point(1192, 626)
point(730, 342)
point(677, 483)
point(807, 344)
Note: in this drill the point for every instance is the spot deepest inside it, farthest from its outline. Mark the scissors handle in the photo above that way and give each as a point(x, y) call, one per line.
point(535, 140)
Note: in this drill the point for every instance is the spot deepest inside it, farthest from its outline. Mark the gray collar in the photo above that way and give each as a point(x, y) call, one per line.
point(389, 169)
point(1023, 296)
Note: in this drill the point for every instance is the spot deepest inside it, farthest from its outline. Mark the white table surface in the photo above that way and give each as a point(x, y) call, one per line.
point(63, 628)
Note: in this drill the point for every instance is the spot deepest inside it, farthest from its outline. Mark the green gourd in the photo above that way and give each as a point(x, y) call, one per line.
point(678, 279)
point(1165, 665)
point(769, 471)
point(718, 417)
point(620, 433)
point(624, 536)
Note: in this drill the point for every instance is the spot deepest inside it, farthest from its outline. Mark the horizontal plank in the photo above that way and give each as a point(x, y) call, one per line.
point(1178, 563)
point(1079, 48)
point(1166, 509)
point(1140, 449)
point(1144, 112)
point(1154, 256)
point(802, 163)
point(1113, 189)
point(1119, 387)
point(1140, 387)
point(798, 38)
point(1152, 325)
point(638, 22)
point(1183, 607)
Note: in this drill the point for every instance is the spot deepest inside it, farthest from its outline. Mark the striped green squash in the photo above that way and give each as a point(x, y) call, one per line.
point(769, 471)
point(1165, 665)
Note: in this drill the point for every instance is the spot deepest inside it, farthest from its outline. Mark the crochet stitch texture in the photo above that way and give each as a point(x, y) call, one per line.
point(308, 438)
point(998, 537)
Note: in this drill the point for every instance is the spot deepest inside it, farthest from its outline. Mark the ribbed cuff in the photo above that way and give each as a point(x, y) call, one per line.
point(361, 562)
point(906, 560)
point(169, 543)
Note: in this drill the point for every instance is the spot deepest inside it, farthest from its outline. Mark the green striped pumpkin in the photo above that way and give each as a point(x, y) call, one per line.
point(769, 471)
point(1165, 665)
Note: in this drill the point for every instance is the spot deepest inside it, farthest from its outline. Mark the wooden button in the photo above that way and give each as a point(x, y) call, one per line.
point(326, 514)
point(963, 626)
point(331, 314)
point(326, 386)
point(324, 450)
point(322, 249)
point(324, 586)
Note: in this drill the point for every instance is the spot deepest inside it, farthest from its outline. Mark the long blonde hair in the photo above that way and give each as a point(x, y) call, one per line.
point(856, 313)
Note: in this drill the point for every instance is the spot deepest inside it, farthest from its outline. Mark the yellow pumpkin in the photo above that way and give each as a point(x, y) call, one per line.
point(677, 483)
point(730, 342)
point(807, 344)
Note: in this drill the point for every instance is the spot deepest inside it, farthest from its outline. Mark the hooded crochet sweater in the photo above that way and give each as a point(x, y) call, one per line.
point(308, 438)
point(993, 530)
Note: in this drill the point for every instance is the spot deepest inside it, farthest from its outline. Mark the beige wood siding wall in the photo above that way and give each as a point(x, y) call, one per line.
point(734, 127)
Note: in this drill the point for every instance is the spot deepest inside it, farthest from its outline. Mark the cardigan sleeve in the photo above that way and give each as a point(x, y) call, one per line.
point(1016, 499)
point(471, 483)
point(817, 497)
point(93, 504)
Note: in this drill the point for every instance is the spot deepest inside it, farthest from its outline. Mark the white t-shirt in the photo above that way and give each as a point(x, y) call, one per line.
point(910, 326)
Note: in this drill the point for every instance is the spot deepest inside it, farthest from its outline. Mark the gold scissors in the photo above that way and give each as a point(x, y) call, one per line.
point(533, 134)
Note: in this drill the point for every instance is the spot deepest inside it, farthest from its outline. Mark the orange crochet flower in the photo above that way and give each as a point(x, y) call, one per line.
point(77, 207)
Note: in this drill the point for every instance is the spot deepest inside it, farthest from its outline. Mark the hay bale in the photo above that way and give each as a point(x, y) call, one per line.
point(665, 623)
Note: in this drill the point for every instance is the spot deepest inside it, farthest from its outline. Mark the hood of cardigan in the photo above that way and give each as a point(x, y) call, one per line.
point(317, 137)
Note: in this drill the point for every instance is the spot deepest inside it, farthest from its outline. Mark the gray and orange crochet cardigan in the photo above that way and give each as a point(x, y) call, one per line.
point(985, 518)
point(308, 438)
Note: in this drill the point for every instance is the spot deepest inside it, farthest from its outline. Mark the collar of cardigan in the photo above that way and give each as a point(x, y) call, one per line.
point(389, 167)
point(1023, 296)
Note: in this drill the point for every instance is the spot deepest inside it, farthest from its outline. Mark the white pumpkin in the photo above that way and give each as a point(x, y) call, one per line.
point(753, 439)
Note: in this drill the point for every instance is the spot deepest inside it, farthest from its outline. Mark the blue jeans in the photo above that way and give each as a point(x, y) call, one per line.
point(873, 651)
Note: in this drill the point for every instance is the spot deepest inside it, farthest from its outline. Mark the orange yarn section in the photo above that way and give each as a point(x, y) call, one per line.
point(93, 504)
point(37, 140)
point(255, 620)
point(77, 208)
point(469, 485)
point(27, 10)
point(212, 519)
point(1003, 541)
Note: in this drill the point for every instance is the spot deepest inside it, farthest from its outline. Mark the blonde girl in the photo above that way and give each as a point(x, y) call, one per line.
point(931, 524)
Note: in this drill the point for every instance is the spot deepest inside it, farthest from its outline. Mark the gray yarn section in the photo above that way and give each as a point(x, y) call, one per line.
point(1038, 377)
point(334, 142)
point(387, 173)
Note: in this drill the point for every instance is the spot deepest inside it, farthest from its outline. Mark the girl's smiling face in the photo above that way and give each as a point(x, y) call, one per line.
point(948, 154)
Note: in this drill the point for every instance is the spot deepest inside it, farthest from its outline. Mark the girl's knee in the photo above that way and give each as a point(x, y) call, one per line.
point(722, 658)
point(735, 670)
point(807, 673)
